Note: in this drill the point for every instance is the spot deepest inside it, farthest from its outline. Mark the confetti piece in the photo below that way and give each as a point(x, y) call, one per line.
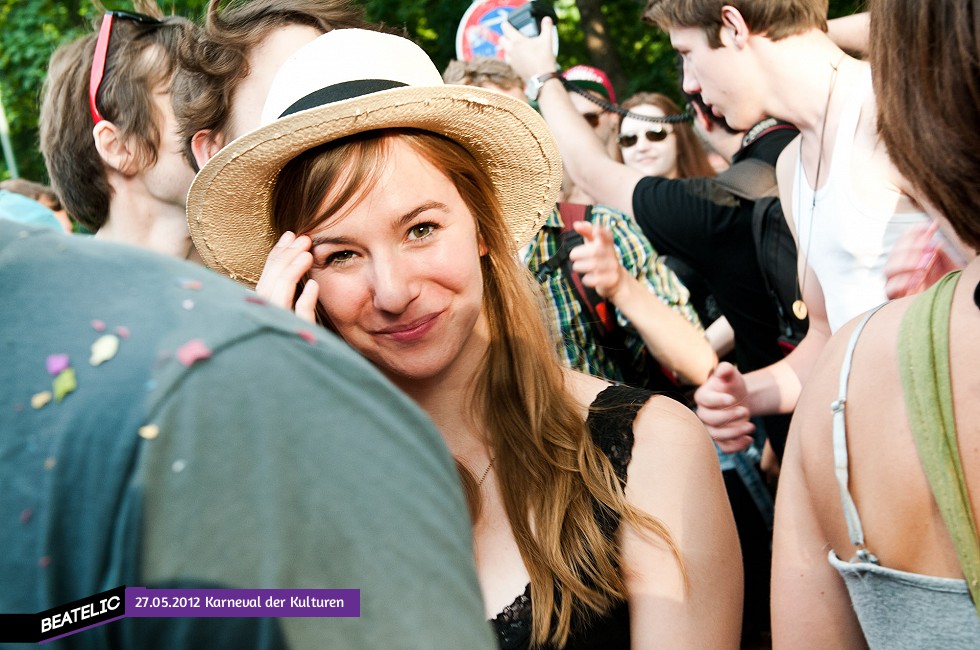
point(104, 349)
point(57, 363)
point(98, 325)
point(26, 515)
point(189, 283)
point(255, 300)
point(187, 304)
point(64, 383)
point(41, 399)
point(122, 332)
point(44, 561)
point(50, 462)
point(307, 336)
point(149, 431)
point(193, 351)
point(151, 384)
point(178, 466)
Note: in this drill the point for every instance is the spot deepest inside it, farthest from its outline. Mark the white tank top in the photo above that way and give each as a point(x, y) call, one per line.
point(847, 243)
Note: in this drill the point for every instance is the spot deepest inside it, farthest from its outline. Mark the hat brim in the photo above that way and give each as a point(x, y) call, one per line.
point(229, 203)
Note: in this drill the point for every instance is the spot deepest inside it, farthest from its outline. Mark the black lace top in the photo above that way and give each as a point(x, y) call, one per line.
point(611, 424)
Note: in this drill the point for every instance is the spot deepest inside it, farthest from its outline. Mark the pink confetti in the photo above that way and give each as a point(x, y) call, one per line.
point(307, 336)
point(26, 515)
point(122, 332)
point(255, 300)
point(98, 325)
point(189, 283)
point(57, 363)
point(44, 561)
point(193, 351)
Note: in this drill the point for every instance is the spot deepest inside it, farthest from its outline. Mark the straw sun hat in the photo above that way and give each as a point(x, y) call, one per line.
point(349, 81)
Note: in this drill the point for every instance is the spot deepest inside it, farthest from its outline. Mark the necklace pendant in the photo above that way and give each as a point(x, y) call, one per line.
point(799, 309)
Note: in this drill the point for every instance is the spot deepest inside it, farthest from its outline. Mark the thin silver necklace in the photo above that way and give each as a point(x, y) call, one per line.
point(799, 306)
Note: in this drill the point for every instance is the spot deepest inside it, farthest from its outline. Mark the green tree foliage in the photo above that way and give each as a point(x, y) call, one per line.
point(605, 33)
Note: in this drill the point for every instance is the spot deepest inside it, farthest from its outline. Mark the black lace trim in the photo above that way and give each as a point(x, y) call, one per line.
point(610, 422)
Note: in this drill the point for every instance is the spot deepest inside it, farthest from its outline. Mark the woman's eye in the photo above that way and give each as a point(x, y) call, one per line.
point(421, 231)
point(339, 257)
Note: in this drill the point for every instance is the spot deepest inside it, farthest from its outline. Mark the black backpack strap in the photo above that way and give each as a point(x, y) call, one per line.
point(599, 311)
point(749, 179)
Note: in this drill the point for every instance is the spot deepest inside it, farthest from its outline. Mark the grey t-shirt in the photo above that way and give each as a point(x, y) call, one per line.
point(223, 444)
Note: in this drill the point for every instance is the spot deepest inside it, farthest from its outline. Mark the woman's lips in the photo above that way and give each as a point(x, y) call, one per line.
point(412, 331)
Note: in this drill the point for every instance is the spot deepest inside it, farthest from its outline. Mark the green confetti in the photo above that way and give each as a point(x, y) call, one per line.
point(64, 383)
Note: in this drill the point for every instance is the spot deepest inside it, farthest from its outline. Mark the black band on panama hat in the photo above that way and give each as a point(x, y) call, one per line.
point(350, 81)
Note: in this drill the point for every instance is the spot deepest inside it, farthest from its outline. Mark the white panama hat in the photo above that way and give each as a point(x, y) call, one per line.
point(350, 81)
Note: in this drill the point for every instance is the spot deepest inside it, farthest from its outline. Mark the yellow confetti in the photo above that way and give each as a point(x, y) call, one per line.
point(50, 462)
point(64, 383)
point(149, 431)
point(104, 349)
point(42, 398)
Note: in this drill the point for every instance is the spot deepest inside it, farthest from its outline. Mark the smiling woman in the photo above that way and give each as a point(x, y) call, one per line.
point(599, 514)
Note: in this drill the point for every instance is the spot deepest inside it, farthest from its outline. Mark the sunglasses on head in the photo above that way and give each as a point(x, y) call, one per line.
point(592, 118)
point(627, 140)
point(102, 51)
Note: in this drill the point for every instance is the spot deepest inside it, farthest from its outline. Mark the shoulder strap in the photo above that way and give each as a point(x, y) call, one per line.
point(599, 311)
point(924, 361)
point(749, 179)
point(854, 529)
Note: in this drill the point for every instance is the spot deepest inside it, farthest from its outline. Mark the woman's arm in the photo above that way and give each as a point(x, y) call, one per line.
point(674, 477)
point(670, 338)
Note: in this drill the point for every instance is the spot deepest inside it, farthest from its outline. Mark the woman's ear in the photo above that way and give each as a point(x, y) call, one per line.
point(114, 149)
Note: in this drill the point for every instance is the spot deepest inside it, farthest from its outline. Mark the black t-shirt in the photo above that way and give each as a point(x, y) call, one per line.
point(711, 231)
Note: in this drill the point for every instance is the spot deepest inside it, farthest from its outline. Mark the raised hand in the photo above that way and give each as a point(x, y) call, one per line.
point(597, 260)
point(287, 264)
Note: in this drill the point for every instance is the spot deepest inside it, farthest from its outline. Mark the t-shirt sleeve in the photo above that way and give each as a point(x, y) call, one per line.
point(684, 218)
point(281, 464)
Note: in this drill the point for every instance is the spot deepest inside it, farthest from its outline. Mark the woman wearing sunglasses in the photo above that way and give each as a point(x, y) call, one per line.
point(657, 148)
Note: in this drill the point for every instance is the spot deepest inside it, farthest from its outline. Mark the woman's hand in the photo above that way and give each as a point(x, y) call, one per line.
point(916, 262)
point(288, 263)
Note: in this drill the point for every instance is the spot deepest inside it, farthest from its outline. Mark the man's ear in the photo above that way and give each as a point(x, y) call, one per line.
point(114, 149)
point(734, 30)
point(204, 144)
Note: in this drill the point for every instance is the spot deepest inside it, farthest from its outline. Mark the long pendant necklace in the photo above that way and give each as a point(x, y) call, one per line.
point(799, 306)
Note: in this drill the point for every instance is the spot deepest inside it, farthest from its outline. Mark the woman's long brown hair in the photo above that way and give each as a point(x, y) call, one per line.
point(550, 473)
point(925, 59)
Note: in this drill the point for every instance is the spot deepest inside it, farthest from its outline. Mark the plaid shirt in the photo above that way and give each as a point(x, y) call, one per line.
point(578, 345)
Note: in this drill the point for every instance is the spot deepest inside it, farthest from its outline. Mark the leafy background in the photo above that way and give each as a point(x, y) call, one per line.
point(605, 33)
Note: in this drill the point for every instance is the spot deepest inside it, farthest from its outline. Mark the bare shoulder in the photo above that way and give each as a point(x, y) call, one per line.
point(670, 441)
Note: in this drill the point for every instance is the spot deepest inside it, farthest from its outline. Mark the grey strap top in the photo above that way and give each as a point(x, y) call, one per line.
point(897, 610)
